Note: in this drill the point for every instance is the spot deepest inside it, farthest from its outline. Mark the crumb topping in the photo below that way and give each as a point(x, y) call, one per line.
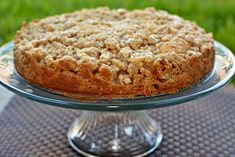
point(119, 44)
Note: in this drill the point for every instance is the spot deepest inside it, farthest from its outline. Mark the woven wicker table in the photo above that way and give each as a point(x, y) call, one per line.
point(203, 127)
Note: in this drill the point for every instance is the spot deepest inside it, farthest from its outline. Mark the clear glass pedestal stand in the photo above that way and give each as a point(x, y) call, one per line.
point(132, 133)
point(117, 127)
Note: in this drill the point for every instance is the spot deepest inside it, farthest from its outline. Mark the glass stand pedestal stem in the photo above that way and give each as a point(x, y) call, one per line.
point(132, 133)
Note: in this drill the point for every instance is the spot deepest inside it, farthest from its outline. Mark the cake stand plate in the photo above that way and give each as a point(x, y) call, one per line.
point(117, 127)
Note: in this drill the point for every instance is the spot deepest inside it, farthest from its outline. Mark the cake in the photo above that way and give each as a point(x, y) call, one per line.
point(106, 53)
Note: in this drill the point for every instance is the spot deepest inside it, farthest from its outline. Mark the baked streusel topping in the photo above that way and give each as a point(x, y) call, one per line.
point(142, 51)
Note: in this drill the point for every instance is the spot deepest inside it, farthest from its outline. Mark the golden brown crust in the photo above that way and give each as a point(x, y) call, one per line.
point(144, 65)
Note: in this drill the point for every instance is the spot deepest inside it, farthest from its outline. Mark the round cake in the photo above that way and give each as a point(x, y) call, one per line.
point(106, 53)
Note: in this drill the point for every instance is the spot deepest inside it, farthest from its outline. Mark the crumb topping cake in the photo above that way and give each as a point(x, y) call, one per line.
point(107, 53)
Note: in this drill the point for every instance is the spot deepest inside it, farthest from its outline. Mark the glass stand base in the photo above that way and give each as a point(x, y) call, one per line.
point(132, 133)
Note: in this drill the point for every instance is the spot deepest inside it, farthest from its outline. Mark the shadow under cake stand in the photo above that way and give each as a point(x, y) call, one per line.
point(117, 127)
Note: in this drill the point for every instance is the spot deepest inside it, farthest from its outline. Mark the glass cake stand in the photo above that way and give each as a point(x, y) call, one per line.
point(117, 127)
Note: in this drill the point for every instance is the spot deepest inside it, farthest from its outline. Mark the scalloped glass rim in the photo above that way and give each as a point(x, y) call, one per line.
point(221, 74)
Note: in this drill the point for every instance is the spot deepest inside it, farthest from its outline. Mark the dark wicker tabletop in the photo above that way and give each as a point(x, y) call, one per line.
point(200, 128)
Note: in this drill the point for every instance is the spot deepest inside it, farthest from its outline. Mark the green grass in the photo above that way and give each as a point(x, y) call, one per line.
point(217, 16)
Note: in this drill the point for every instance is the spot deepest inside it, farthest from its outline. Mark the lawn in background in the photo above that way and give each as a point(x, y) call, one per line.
point(217, 16)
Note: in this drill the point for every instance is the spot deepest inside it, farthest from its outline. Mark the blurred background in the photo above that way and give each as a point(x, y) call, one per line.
point(217, 16)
